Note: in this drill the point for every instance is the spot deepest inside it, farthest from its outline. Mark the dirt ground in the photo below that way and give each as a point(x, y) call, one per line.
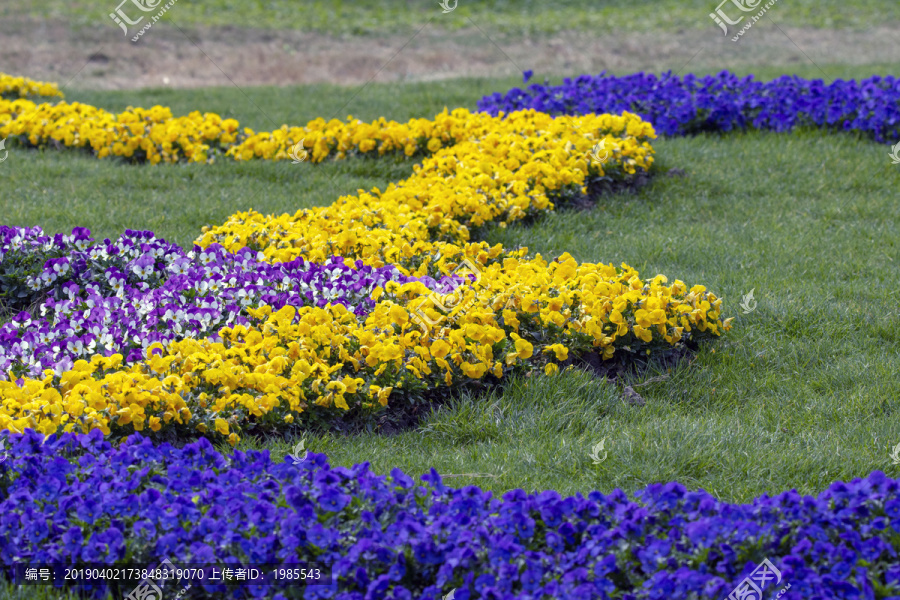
point(104, 58)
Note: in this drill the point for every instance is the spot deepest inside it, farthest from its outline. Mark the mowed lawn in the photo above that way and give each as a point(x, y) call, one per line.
point(803, 391)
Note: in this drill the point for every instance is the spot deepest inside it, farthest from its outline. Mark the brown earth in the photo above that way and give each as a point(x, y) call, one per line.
point(166, 55)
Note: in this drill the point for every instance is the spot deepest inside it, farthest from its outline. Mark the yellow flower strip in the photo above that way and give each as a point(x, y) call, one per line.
point(21, 87)
point(322, 139)
point(152, 134)
point(156, 136)
point(326, 360)
point(506, 169)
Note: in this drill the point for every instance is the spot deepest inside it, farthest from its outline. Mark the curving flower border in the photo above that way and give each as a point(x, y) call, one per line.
point(318, 362)
point(389, 537)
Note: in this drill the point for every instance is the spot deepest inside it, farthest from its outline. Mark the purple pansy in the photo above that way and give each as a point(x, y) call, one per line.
point(125, 296)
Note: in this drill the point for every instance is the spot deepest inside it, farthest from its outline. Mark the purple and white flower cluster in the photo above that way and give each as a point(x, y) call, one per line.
point(34, 266)
point(682, 106)
point(76, 499)
point(122, 297)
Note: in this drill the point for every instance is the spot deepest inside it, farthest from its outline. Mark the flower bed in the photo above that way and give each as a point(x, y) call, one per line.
point(328, 360)
point(121, 297)
point(681, 106)
point(322, 361)
point(389, 537)
point(272, 355)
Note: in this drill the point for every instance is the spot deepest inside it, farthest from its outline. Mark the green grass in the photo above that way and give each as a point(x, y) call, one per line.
point(804, 390)
point(805, 219)
point(62, 190)
point(499, 16)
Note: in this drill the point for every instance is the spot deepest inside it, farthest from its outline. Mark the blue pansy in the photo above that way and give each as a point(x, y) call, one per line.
point(690, 104)
point(406, 536)
point(332, 500)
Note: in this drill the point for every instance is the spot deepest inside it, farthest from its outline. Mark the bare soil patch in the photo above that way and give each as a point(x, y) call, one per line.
point(102, 58)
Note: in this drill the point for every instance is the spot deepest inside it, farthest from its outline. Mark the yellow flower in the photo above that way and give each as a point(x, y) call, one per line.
point(473, 371)
point(643, 334)
point(524, 349)
point(383, 395)
point(642, 318)
point(440, 348)
point(560, 351)
point(399, 316)
point(222, 426)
